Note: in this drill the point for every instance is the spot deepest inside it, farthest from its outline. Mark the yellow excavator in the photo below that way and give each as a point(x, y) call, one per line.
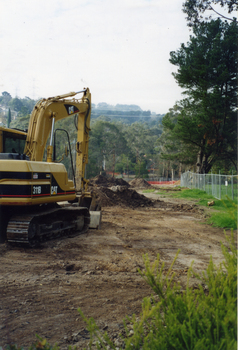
point(38, 201)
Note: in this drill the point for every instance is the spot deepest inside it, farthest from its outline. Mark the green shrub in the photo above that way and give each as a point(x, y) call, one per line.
point(227, 217)
point(203, 318)
point(222, 220)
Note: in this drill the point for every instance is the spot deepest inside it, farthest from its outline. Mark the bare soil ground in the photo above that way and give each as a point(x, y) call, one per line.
point(41, 289)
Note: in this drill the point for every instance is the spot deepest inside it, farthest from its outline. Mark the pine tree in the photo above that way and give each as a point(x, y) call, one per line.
point(207, 120)
point(9, 118)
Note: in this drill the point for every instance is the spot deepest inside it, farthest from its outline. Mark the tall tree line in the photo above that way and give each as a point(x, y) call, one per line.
point(201, 129)
point(122, 148)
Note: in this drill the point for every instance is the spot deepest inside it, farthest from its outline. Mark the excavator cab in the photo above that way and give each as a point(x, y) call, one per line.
point(12, 143)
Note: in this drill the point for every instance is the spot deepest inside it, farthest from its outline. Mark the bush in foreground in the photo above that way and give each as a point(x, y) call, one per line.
point(203, 318)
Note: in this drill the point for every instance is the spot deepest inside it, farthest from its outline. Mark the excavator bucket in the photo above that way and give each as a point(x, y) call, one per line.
point(90, 201)
point(95, 219)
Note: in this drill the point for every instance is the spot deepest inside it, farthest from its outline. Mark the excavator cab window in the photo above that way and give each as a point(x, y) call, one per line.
point(13, 143)
point(62, 151)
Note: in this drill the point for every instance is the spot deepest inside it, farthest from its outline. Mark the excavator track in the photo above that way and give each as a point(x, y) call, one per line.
point(31, 229)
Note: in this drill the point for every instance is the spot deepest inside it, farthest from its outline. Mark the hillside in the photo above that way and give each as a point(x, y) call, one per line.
point(128, 114)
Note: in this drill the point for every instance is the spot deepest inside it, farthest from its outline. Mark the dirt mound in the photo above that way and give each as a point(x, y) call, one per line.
point(112, 192)
point(139, 183)
point(108, 181)
point(121, 196)
point(187, 208)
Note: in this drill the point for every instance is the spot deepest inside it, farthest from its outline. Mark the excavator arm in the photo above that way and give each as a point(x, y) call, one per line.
point(43, 118)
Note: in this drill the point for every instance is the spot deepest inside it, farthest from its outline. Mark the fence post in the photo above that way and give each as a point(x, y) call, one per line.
point(220, 184)
point(226, 182)
point(232, 188)
point(208, 183)
point(212, 183)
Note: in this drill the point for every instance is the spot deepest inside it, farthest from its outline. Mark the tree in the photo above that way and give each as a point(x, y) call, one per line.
point(197, 9)
point(141, 170)
point(9, 118)
point(16, 104)
point(21, 122)
point(207, 70)
point(172, 151)
point(107, 142)
point(124, 165)
point(142, 142)
point(5, 98)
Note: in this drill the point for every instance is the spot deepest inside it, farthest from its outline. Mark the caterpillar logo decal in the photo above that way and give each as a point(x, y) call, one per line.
point(54, 190)
point(71, 109)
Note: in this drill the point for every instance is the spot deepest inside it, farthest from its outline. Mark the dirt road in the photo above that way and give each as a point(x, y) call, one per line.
point(42, 288)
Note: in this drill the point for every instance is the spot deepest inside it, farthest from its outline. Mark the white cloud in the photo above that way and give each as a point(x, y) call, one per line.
point(119, 49)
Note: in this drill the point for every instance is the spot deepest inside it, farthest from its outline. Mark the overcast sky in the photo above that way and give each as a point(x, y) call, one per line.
point(118, 48)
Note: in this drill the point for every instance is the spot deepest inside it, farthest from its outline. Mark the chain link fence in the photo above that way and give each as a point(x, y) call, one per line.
point(219, 186)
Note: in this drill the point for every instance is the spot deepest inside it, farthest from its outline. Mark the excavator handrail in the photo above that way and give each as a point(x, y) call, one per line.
point(70, 94)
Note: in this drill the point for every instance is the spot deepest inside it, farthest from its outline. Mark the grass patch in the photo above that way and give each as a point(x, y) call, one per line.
point(192, 194)
point(187, 194)
point(227, 218)
point(224, 220)
point(149, 190)
point(160, 193)
point(202, 197)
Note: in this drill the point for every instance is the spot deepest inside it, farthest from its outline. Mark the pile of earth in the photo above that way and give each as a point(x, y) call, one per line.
point(121, 196)
point(189, 208)
point(111, 192)
point(139, 183)
point(104, 181)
